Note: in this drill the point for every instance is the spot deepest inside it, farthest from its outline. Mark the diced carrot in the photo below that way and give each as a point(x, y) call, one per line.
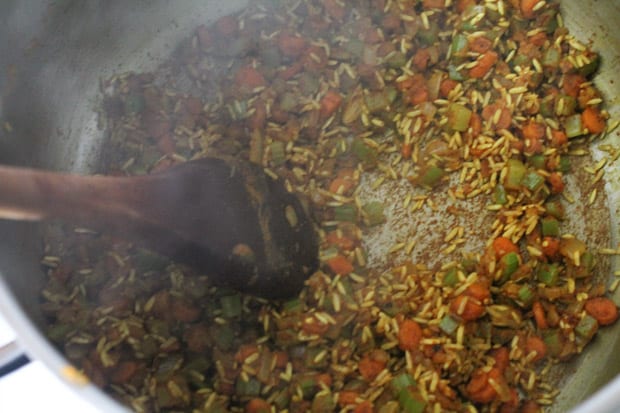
point(535, 343)
point(530, 406)
point(418, 95)
point(479, 389)
point(602, 309)
point(434, 4)
point(461, 5)
point(485, 63)
point(372, 364)
point(340, 240)
point(572, 83)
point(550, 246)
point(313, 326)
point(334, 9)
point(533, 133)
point(226, 26)
point(364, 407)
point(405, 150)
point(291, 45)
point(184, 311)
point(538, 39)
point(250, 78)
point(556, 182)
point(505, 118)
point(593, 120)
point(503, 245)
point(290, 71)
point(480, 44)
point(409, 335)
point(341, 186)
point(421, 58)
point(539, 315)
point(347, 397)
point(466, 307)
point(501, 356)
point(245, 351)
point(257, 405)
point(446, 87)
point(558, 138)
point(479, 291)
point(281, 359)
point(123, 372)
point(527, 8)
point(324, 379)
point(340, 265)
point(475, 124)
point(330, 103)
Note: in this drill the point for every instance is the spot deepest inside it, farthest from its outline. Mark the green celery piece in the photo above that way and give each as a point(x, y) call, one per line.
point(345, 213)
point(549, 274)
point(499, 195)
point(231, 305)
point(374, 213)
point(458, 117)
point(587, 327)
point(432, 176)
point(573, 126)
point(526, 295)
point(516, 172)
point(410, 402)
point(509, 263)
point(448, 325)
point(550, 227)
point(451, 277)
point(402, 381)
point(532, 181)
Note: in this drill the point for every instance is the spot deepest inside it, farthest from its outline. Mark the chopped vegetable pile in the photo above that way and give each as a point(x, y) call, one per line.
point(481, 100)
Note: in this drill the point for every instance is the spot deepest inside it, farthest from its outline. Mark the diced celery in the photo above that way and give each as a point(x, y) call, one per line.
point(345, 213)
point(428, 37)
point(278, 156)
point(292, 306)
point(509, 264)
point(458, 117)
point(458, 48)
point(526, 295)
point(537, 161)
point(363, 152)
point(402, 381)
point(550, 227)
point(374, 213)
point(251, 387)
point(567, 105)
point(590, 68)
point(396, 60)
point(454, 74)
point(564, 165)
point(448, 325)
point(451, 277)
point(555, 209)
point(410, 401)
point(573, 126)
point(499, 195)
point(551, 57)
point(532, 181)
point(432, 176)
point(587, 327)
point(231, 305)
point(516, 172)
point(549, 273)
point(554, 341)
point(323, 402)
point(377, 101)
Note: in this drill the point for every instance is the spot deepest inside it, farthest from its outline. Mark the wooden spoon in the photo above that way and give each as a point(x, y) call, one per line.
point(222, 216)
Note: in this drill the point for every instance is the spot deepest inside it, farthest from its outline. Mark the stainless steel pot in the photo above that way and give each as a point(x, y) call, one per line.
point(55, 52)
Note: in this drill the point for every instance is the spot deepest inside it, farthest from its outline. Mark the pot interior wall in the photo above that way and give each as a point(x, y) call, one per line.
point(58, 51)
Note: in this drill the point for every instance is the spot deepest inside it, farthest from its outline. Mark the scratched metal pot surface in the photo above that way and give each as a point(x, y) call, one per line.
point(55, 52)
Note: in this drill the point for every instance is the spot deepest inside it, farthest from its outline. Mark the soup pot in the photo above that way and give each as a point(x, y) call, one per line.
point(54, 54)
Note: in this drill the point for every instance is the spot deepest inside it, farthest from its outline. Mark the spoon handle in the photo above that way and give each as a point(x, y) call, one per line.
point(33, 195)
